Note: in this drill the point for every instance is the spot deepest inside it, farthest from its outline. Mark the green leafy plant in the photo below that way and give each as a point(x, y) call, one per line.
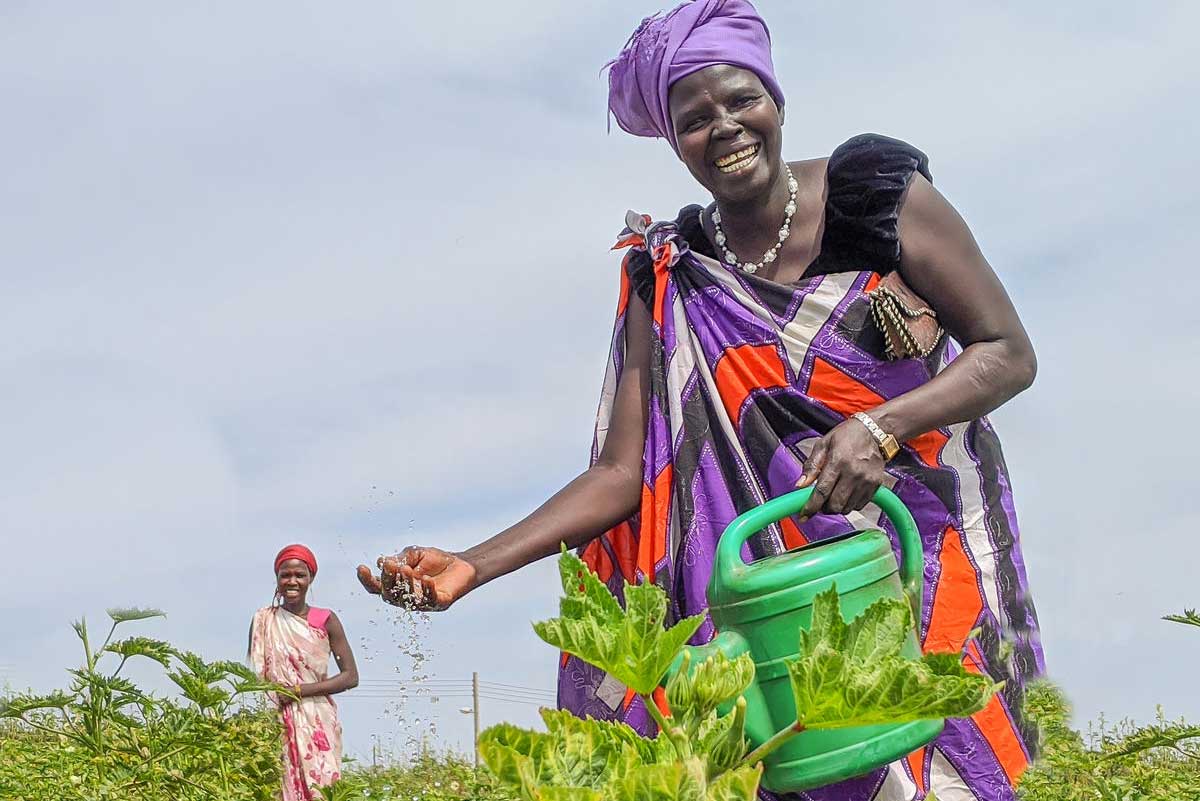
point(1121, 762)
point(104, 737)
point(848, 674)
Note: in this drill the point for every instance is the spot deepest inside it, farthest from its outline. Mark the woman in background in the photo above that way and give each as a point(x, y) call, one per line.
point(290, 644)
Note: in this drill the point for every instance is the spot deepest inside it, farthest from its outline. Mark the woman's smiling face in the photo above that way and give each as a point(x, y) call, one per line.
point(292, 581)
point(728, 131)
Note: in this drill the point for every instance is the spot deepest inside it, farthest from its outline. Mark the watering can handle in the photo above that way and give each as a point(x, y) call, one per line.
point(912, 555)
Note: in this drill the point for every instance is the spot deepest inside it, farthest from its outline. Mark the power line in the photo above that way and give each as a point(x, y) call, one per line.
point(466, 682)
point(510, 686)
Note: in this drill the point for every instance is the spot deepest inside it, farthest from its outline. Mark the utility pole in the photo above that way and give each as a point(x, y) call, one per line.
point(475, 710)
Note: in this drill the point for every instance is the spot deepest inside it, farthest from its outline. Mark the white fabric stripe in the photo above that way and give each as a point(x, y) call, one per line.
point(814, 312)
point(608, 392)
point(975, 534)
point(897, 786)
point(945, 782)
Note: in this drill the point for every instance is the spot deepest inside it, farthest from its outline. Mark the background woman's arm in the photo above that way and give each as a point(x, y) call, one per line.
point(347, 676)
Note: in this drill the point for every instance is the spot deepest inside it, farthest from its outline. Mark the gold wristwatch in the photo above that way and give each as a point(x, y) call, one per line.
point(887, 442)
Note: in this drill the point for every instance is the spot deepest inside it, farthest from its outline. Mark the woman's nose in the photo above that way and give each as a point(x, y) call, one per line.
point(728, 127)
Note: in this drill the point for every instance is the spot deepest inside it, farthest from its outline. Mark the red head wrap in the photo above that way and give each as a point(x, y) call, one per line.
point(297, 552)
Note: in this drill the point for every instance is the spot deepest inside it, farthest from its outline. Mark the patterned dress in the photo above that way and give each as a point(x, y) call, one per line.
point(746, 375)
point(289, 650)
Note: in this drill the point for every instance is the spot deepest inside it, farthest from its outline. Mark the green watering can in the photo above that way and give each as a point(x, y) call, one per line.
point(760, 608)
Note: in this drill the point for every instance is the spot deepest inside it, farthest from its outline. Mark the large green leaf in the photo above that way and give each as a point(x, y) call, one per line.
point(649, 750)
point(512, 768)
point(855, 675)
point(236, 670)
point(197, 667)
point(736, 785)
point(630, 644)
point(125, 614)
point(678, 781)
point(567, 794)
point(18, 705)
point(157, 650)
point(198, 691)
point(582, 754)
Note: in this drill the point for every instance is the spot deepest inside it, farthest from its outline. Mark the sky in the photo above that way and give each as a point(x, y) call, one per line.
point(340, 274)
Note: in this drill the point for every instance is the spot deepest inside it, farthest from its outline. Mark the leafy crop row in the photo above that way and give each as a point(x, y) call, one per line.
point(105, 738)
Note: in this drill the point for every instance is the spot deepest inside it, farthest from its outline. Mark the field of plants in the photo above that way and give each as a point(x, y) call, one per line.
point(103, 737)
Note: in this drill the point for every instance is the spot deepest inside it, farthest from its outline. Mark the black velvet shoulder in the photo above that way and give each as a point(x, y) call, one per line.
point(867, 178)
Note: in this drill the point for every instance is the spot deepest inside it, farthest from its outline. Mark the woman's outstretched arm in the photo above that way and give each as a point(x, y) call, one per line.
point(595, 501)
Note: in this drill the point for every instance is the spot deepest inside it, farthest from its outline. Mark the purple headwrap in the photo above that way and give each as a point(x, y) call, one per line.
point(667, 47)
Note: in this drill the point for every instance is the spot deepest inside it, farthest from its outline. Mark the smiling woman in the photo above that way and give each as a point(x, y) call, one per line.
point(827, 323)
point(290, 644)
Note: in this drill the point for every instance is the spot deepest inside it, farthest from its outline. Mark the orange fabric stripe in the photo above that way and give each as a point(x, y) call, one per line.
point(998, 730)
point(596, 557)
point(995, 725)
point(916, 763)
point(562, 662)
point(743, 369)
point(623, 300)
point(660, 296)
point(662, 273)
point(624, 545)
point(660, 701)
point(629, 696)
point(656, 506)
point(793, 537)
point(872, 282)
point(973, 660)
point(846, 396)
point(957, 601)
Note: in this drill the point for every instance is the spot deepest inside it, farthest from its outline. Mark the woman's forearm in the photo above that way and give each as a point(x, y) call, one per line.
point(346, 680)
point(982, 378)
point(594, 502)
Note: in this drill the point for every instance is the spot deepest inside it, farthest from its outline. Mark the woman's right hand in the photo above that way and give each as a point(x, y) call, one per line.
point(420, 578)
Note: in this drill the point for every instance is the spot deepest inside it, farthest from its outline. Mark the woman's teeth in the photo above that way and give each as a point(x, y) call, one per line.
point(736, 161)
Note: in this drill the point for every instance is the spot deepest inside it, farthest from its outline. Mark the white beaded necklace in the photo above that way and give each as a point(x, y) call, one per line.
point(784, 231)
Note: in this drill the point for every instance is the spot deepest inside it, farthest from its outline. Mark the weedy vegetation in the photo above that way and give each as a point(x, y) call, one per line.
point(104, 738)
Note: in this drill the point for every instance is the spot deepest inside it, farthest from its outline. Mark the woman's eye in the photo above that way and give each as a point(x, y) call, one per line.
point(745, 100)
point(695, 125)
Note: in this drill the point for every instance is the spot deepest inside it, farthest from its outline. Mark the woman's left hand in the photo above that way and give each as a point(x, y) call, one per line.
point(844, 470)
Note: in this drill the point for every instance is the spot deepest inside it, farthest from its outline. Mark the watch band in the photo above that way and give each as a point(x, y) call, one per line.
point(887, 442)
